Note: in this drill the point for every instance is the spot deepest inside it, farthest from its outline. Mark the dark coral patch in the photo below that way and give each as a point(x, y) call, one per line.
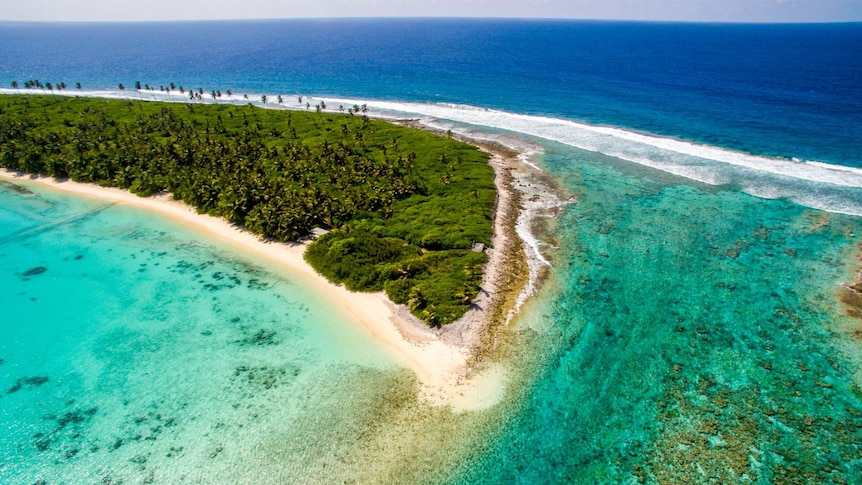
point(36, 270)
point(26, 381)
point(261, 338)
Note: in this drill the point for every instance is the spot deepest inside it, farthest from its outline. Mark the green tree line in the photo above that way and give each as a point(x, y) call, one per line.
point(403, 206)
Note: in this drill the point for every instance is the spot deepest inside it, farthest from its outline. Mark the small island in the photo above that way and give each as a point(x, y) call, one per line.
point(400, 209)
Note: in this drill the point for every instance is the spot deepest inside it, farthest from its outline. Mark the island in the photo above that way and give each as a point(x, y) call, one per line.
point(424, 222)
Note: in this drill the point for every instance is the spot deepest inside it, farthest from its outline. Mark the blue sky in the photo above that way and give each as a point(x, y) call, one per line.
point(676, 10)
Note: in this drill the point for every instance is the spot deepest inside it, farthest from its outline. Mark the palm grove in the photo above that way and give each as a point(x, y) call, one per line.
point(404, 206)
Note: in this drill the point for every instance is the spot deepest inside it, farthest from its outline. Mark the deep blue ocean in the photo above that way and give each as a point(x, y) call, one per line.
point(688, 331)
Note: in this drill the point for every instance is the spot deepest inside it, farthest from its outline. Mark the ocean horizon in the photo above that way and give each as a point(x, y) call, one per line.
point(689, 328)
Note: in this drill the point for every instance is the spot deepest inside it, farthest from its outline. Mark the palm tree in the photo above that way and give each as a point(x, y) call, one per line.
point(464, 295)
point(138, 85)
point(78, 86)
point(50, 87)
point(121, 87)
point(15, 85)
point(416, 300)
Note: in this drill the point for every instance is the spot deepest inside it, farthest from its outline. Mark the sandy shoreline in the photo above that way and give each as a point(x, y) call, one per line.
point(440, 359)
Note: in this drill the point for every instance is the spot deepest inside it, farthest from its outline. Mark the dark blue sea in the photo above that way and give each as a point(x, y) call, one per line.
point(689, 330)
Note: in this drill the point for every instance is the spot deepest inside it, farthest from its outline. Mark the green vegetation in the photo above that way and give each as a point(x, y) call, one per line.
point(404, 206)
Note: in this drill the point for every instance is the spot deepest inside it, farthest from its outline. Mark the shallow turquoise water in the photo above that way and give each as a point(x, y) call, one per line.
point(686, 336)
point(135, 350)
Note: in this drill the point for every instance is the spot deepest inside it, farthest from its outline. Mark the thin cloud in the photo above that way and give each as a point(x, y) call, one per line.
point(673, 10)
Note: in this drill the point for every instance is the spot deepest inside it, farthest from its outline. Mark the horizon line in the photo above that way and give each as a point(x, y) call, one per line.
point(488, 18)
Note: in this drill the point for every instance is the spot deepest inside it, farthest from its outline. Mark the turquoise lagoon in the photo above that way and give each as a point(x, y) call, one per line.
point(135, 350)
